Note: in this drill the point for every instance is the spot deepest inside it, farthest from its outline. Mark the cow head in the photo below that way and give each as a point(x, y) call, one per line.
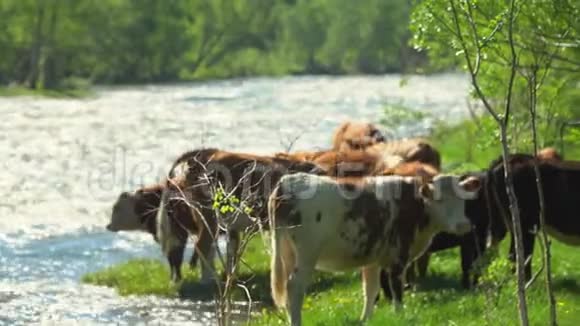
point(444, 200)
point(356, 136)
point(132, 210)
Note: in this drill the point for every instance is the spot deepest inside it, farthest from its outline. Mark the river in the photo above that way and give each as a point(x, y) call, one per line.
point(64, 161)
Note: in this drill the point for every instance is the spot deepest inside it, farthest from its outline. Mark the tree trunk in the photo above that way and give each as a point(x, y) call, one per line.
point(547, 255)
point(48, 76)
point(516, 229)
point(36, 48)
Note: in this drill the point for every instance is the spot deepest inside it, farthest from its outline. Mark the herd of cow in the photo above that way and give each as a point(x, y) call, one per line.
point(381, 206)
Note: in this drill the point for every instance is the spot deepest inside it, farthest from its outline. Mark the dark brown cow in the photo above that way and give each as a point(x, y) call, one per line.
point(356, 136)
point(487, 217)
point(371, 223)
point(211, 172)
point(138, 211)
point(561, 189)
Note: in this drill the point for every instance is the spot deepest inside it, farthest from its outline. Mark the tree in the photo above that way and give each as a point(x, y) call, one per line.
point(520, 55)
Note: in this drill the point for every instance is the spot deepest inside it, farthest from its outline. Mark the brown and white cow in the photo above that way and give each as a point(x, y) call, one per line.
point(209, 173)
point(370, 223)
point(410, 169)
point(356, 135)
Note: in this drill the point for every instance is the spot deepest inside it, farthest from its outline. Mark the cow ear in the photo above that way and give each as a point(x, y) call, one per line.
point(471, 184)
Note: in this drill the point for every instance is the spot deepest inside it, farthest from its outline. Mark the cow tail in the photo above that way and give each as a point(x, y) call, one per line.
point(282, 254)
point(163, 223)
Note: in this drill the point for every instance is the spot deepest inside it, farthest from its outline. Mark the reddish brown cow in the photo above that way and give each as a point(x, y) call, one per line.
point(341, 163)
point(372, 160)
point(409, 150)
point(356, 135)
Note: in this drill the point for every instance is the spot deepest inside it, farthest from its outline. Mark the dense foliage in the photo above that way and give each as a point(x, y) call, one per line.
point(473, 35)
point(45, 43)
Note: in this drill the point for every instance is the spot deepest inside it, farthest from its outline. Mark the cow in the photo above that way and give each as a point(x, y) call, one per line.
point(560, 184)
point(214, 180)
point(489, 217)
point(356, 135)
point(331, 224)
point(342, 163)
point(137, 211)
point(371, 161)
point(409, 150)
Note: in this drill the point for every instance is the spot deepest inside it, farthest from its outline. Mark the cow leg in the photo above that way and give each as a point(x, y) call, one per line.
point(411, 275)
point(232, 251)
point(528, 239)
point(205, 246)
point(480, 248)
point(422, 264)
point(175, 258)
point(193, 260)
point(396, 284)
point(296, 288)
point(384, 279)
point(371, 283)
point(467, 259)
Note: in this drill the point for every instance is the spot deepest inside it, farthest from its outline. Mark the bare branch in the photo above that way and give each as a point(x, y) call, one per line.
point(474, 81)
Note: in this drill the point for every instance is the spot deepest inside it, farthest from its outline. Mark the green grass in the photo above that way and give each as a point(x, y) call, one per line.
point(54, 93)
point(336, 298)
point(139, 276)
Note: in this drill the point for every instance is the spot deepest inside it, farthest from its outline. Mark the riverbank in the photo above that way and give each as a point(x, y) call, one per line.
point(50, 93)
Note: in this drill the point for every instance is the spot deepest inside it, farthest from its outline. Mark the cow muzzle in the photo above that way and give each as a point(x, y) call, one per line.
point(110, 227)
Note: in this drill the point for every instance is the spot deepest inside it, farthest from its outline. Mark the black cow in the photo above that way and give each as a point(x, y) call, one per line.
point(561, 188)
point(491, 218)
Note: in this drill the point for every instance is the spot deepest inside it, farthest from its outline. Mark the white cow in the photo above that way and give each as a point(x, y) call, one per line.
point(368, 223)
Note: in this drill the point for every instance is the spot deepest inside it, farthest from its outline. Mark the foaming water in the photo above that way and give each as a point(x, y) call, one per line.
point(64, 162)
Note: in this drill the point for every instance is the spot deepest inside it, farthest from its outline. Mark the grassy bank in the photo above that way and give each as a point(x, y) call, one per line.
point(76, 90)
point(336, 299)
